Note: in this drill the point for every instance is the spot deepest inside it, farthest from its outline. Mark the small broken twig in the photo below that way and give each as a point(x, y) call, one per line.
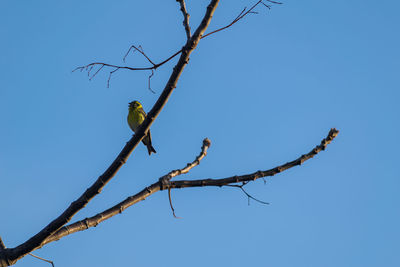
point(49, 261)
point(170, 203)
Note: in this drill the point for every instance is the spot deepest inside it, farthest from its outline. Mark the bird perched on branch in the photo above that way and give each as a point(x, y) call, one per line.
point(136, 117)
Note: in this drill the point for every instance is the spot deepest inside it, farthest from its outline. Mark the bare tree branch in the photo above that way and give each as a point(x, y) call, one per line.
point(185, 17)
point(164, 183)
point(37, 257)
point(155, 66)
point(13, 254)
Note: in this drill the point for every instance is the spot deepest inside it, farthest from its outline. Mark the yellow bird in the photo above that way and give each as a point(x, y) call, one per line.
point(136, 117)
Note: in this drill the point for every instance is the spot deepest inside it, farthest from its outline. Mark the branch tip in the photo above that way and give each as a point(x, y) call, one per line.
point(333, 132)
point(206, 142)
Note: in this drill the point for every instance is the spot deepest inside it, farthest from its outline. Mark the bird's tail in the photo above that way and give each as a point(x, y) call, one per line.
point(147, 142)
point(150, 149)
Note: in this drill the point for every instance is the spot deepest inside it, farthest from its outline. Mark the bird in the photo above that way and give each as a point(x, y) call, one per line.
point(136, 116)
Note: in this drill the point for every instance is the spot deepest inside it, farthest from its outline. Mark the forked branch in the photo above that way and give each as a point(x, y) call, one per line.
point(98, 66)
point(241, 187)
point(165, 183)
point(242, 14)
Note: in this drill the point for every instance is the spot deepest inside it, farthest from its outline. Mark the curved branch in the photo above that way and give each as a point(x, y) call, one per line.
point(13, 254)
point(164, 183)
point(259, 174)
point(189, 166)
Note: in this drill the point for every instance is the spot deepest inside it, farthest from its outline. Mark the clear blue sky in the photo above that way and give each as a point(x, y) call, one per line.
point(265, 91)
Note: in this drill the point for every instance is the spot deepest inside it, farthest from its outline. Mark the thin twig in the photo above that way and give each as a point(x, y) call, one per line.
point(241, 15)
point(95, 73)
point(112, 66)
point(140, 50)
point(248, 195)
point(155, 66)
point(170, 203)
point(109, 76)
point(33, 255)
point(185, 18)
point(274, 2)
point(151, 75)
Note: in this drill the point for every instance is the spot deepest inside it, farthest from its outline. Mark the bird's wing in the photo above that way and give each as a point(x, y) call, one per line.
point(142, 112)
